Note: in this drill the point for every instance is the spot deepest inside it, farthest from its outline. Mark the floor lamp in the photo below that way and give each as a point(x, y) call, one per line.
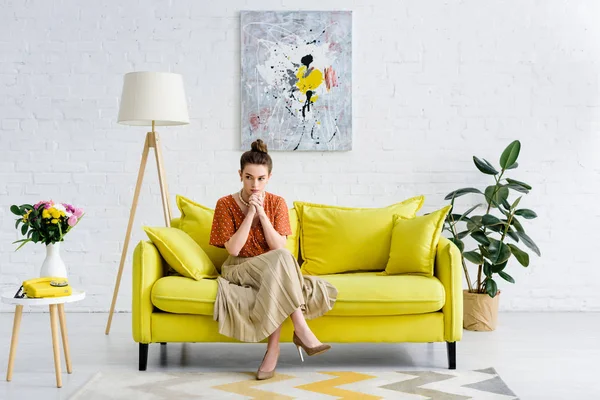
point(149, 99)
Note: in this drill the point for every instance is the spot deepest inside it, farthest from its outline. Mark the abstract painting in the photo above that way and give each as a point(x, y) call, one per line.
point(296, 80)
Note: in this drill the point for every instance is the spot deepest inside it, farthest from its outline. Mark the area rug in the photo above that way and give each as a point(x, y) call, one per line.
point(484, 384)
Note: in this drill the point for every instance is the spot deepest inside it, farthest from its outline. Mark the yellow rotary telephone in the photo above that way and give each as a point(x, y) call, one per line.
point(44, 287)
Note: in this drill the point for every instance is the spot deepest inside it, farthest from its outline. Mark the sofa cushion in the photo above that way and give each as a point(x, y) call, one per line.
point(178, 294)
point(181, 252)
point(359, 294)
point(368, 293)
point(344, 239)
point(196, 221)
point(414, 242)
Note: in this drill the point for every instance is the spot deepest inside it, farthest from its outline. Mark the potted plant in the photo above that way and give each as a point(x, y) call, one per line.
point(497, 233)
point(47, 222)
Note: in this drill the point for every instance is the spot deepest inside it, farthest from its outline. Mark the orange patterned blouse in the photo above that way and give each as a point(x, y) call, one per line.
point(229, 216)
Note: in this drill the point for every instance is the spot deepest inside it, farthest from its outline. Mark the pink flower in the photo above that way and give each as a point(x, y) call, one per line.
point(49, 204)
point(69, 208)
point(78, 212)
point(72, 221)
point(39, 203)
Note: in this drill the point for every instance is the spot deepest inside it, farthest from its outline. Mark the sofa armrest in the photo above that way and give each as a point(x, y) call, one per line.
point(448, 269)
point(147, 269)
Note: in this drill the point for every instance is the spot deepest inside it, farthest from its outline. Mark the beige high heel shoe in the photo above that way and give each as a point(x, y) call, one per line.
point(262, 375)
point(311, 351)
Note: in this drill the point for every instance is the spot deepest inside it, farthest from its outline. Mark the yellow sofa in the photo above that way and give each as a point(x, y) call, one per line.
point(371, 307)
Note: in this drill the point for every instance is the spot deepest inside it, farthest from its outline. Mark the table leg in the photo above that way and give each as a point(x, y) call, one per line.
point(65, 338)
point(14, 340)
point(55, 346)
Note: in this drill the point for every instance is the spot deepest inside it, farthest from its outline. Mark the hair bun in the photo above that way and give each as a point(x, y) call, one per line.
point(259, 145)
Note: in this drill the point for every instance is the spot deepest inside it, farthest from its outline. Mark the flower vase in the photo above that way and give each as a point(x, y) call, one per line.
point(53, 265)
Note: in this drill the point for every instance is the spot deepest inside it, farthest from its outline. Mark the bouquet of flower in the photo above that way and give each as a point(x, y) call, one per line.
point(46, 222)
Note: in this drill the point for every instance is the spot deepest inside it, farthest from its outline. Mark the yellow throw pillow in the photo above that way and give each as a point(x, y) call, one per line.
point(293, 242)
point(182, 253)
point(337, 239)
point(414, 243)
point(196, 221)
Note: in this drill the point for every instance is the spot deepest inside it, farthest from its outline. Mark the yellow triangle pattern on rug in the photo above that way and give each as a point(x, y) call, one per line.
point(314, 385)
point(330, 386)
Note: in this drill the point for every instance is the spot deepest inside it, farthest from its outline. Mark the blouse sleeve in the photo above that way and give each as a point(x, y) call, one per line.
point(222, 225)
point(281, 219)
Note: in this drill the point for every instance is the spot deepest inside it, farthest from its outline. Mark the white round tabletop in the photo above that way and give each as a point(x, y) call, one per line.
point(9, 298)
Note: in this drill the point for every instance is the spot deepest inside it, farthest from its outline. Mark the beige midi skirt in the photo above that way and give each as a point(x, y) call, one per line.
point(256, 294)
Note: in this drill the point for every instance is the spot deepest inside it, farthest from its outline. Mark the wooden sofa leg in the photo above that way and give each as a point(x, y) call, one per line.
point(143, 356)
point(451, 346)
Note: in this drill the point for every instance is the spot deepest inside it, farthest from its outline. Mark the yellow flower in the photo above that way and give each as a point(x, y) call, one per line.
point(46, 214)
point(26, 216)
point(55, 213)
point(54, 221)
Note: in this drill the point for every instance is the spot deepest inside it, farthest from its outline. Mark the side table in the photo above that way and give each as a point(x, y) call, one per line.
point(57, 310)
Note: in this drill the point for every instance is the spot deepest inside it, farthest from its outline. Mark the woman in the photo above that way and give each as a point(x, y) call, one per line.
point(261, 283)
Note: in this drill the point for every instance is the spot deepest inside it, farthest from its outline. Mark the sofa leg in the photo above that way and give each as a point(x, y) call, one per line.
point(451, 346)
point(163, 343)
point(143, 356)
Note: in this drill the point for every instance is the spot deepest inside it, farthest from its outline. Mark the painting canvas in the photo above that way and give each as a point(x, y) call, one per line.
point(296, 74)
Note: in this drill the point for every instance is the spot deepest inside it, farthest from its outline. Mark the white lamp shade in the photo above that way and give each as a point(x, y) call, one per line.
point(153, 96)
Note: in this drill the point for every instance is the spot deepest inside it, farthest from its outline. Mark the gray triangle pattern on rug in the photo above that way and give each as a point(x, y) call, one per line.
point(493, 385)
point(414, 386)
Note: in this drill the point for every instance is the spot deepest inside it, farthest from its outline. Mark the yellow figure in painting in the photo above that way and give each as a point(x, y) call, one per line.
point(309, 79)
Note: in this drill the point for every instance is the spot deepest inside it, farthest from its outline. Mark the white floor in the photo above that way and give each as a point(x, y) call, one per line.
point(539, 355)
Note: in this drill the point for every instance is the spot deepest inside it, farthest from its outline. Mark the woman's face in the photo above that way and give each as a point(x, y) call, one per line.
point(254, 178)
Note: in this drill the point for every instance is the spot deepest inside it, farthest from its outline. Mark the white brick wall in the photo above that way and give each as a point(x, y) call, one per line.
point(434, 84)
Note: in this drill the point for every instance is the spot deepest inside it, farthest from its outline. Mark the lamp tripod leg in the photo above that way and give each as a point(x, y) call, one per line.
point(136, 196)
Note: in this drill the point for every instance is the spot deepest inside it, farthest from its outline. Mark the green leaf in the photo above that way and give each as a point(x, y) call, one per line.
point(520, 255)
point(461, 192)
point(496, 228)
point(497, 268)
point(487, 269)
point(484, 167)
point(36, 237)
point(480, 237)
point(25, 241)
point(16, 210)
point(495, 196)
point(470, 210)
point(515, 165)
point(463, 234)
point(489, 219)
point(506, 277)
point(511, 234)
point(459, 243)
point(475, 223)
point(499, 251)
point(529, 243)
point(516, 203)
point(515, 222)
point(17, 222)
point(491, 288)
point(474, 257)
point(519, 183)
point(489, 164)
point(453, 218)
point(526, 213)
point(518, 188)
point(24, 229)
point(510, 154)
